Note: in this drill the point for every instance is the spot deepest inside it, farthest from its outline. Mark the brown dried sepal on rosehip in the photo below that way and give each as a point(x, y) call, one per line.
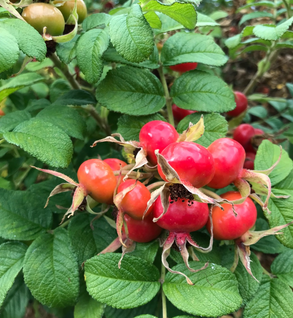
point(184, 215)
point(79, 192)
point(249, 238)
point(134, 153)
point(259, 182)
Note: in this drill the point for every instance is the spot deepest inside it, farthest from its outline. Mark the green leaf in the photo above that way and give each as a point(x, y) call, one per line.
point(76, 97)
point(204, 20)
point(51, 270)
point(95, 20)
point(267, 155)
point(282, 266)
point(67, 119)
point(252, 48)
point(255, 15)
point(90, 48)
point(153, 20)
point(29, 40)
point(149, 308)
point(248, 286)
point(197, 90)
point(142, 97)
point(23, 80)
point(290, 88)
point(258, 111)
point(16, 300)
point(131, 35)
point(215, 125)
point(42, 140)
point(273, 299)
point(129, 126)
point(215, 281)
point(11, 120)
point(264, 3)
point(272, 32)
point(281, 213)
point(185, 47)
point(87, 242)
point(67, 51)
point(285, 45)
point(133, 285)
point(286, 184)
point(35, 66)
point(87, 307)
point(183, 13)
point(22, 215)
point(9, 50)
point(11, 260)
point(5, 184)
point(268, 244)
point(233, 41)
point(145, 316)
point(147, 251)
point(111, 55)
point(58, 88)
point(168, 24)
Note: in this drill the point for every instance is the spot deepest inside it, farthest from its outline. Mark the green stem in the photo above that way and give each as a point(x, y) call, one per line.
point(103, 125)
point(64, 69)
point(167, 96)
point(269, 58)
point(288, 8)
point(164, 301)
point(64, 224)
point(268, 273)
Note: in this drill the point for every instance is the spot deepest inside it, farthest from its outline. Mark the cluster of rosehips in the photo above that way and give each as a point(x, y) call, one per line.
point(217, 166)
point(179, 204)
point(53, 16)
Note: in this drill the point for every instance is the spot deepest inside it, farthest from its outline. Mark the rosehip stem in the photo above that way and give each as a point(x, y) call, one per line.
point(167, 95)
point(133, 174)
point(164, 302)
point(155, 185)
point(211, 194)
point(64, 69)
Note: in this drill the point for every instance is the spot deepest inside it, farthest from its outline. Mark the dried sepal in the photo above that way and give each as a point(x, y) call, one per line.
point(166, 252)
point(130, 147)
point(120, 196)
point(119, 226)
point(78, 198)
point(172, 176)
point(252, 237)
point(128, 247)
point(244, 255)
point(59, 175)
point(60, 188)
point(169, 172)
point(112, 247)
point(181, 243)
point(165, 194)
point(154, 195)
point(193, 132)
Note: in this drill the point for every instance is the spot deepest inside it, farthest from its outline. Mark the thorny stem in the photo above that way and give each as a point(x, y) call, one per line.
point(167, 96)
point(98, 119)
point(164, 301)
point(64, 69)
point(269, 58)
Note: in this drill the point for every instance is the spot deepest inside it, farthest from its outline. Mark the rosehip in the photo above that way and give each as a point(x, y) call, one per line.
point(154, 135)
point(192, 162)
